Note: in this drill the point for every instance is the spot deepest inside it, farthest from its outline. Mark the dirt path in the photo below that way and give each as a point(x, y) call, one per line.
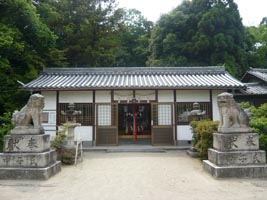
point(135, 176)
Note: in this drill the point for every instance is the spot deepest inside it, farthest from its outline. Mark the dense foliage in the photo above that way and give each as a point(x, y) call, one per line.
point(26, 45)
point(5, 128)
point(258, 123)
point(94, 33)
point(200, 32)
point(203, 136)
point(258, 38)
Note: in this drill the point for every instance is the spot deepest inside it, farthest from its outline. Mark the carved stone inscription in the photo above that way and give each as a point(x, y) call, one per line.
point(235, 142)
point(19, 161)
point(12, 143)
point(7, 160)
point(31, 160)
point(27, 143)
point(250, 141)
point(32, 143)
point(237, 158)
point(231, 143)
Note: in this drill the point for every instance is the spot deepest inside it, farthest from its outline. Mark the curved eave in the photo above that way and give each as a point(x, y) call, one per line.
point(103, 81)
point(134, 88)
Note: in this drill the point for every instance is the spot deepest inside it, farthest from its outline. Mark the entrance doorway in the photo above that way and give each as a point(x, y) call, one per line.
point(127, 124)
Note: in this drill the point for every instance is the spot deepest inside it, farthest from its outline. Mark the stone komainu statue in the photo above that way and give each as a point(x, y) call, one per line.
point(29, 119)
point(232, 117)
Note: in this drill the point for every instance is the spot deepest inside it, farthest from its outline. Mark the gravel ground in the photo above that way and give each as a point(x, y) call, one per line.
point(134, 176)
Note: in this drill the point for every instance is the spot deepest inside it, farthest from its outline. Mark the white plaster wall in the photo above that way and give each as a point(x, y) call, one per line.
point(165, 96)
point(86, 133)
point(50, 100)
point(123, 95)
point(75, 97)
point(145, 95)
point(184, 132)
point(192, 96)
point(215, 109)
point(103, 96)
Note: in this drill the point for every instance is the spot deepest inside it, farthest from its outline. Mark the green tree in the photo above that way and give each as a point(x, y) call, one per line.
point(133, 33)
point(5, 127)
point(259, 124)
point(258, 38)
point(84, 29)
point(26, 44)
point(200, 32)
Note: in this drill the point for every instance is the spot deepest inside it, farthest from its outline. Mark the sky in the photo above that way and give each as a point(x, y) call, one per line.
point(251, 11)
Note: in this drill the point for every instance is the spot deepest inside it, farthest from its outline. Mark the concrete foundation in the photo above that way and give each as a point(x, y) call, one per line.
point(236, 155)
point(250, 171)
point(30, 173)
point(31, 160)
point(28, 157)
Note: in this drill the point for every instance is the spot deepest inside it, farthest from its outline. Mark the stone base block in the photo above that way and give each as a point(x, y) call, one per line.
point(238, 158)
point(30, 173)
point(192, 152)
point(25, 130)
point(32, 160)
point(235, 141)
point(251, 171)
point(26, 143)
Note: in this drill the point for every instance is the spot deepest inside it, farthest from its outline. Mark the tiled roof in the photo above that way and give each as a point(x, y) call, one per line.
point(257, 72)
point(255, 89)
point(134, 78)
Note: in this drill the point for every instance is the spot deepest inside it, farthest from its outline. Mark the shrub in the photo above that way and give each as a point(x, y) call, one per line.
point(263, 142)
point(258, 123)
point(261, 111)
point(58, 141)
point(203, 136)
point(5, 127)
point(65, 154)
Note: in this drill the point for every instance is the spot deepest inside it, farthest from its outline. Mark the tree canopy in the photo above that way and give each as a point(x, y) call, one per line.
point(258, 39)
point(200, 32)
point(26, 44)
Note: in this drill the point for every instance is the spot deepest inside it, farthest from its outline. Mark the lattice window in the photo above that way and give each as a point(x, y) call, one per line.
point(104, 115)
point(183, 110)
point(49, 117)
point(45, 117)
point(165, 114)
point(162, 114)
point(86, 118)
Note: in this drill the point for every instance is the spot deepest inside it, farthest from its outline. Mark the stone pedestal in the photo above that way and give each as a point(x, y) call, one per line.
point(70, 133)
point(192, 152)
point(236, 155)
point(28, 157)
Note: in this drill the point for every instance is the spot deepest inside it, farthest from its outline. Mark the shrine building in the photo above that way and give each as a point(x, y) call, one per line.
point(133, 105)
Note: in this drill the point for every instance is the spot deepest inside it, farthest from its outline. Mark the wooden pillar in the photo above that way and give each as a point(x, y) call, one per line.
point(57, 109)
point(211, 105)
point(94, 121)
point(175, 115)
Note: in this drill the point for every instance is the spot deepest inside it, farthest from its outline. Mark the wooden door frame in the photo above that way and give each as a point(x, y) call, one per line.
point(154, 127)
point(113, 126)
